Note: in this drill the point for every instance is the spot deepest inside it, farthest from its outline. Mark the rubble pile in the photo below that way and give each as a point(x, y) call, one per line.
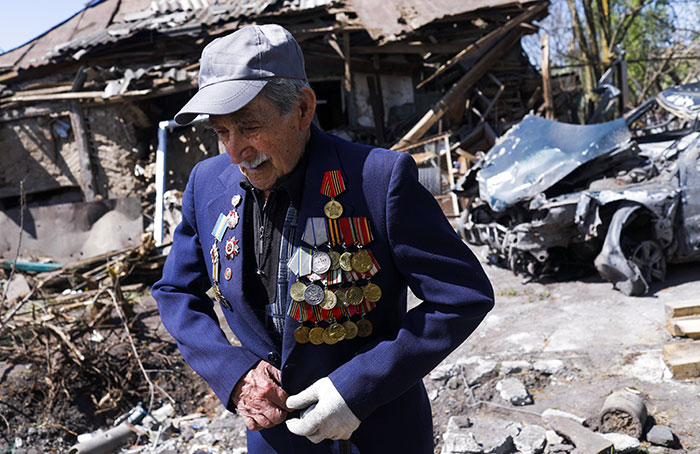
point(485, 406)
point(79, 347)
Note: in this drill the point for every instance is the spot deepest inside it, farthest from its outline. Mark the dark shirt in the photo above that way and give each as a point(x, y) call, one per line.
point(262, 233)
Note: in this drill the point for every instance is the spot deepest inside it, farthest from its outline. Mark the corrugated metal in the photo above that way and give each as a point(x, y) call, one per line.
point(391, 18)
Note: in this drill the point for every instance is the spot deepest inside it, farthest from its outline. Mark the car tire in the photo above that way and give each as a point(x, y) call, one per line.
point(649, 257)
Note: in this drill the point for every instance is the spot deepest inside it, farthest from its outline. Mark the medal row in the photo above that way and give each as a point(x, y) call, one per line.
point(334, 333)
point(328, 299)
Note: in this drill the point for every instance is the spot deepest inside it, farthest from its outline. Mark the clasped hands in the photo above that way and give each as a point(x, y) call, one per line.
point(263, 403)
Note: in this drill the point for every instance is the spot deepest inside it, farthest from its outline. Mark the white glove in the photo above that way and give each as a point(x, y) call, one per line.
point(328, 416)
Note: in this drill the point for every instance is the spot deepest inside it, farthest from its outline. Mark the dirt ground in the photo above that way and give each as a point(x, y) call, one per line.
point(606, 340)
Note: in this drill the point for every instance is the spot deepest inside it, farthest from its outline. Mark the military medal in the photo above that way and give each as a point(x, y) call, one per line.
point(215, 261)
point(227, 274)
point(335, 260)
point(315, 232)
point(219, 227)
point(372, 292)
point(336, 331)
point(331, 186)
point(345, 261)
point(232, 219)
point(297, 291)
point(361, 261)
point(236, 200)
point(313, 294)
point(232, 248)
point(329, 300)
point(316, 335)
point(301, 334)
point(350, 329)
point(320, 262)
point(354, 295)
point(301, 262)
point(364, 327)
point(341, 297)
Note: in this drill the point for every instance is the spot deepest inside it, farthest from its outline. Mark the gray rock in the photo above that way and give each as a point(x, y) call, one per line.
point(17, 288)
point(513, 391)
point(553, 438)
point(549, 366)
point(515, 367)
point(531, 440)
point(623, 443)
point(432, 395)
point(552, 412)
point(478, 370)
point(561, 448)
point(444, 372)
point(454, 382)
point(457, 423)
point(460, 443)
point(661, 436)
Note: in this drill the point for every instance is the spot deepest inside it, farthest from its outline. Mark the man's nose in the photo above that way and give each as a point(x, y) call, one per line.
point(236, 146)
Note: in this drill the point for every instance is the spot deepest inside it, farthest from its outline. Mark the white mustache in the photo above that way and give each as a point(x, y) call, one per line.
point(253, 163)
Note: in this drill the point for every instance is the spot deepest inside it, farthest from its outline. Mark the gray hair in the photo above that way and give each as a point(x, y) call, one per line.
point(283, 92)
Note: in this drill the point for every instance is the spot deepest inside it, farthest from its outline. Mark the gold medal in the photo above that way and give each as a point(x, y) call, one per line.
point(301, 334)
point(336, 331)
point(329, 300)
point(327, 338)
point(361, 261)
point(355, 295)
point(350, 329)
point(372, 292)
point(316, 335)
point(364, 327)
point(335, 260)
point(296, 291)
point(341, 296)
point(333, 209)
point(345, 261)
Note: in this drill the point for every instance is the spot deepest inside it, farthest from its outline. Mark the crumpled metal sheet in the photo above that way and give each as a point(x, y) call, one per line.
point(71, 231)
point(683, 100)
point(537, 153)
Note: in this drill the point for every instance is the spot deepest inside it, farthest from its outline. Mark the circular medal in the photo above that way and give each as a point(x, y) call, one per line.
point(232, 219)
point(296, 291)
point(355, 295)
point(320, 262)
point(336, 331)
point(301, 334)
point(364, 327)
point(232, 248)
point(361, 261)
point(341, 296)
point(327, 338)
point(316, 335)
point(329, 300)
point(372, 292)
point(350, 329)
point(236, 200)
point(227, 274)
point(335, 260)
point(313, 294)
point(333, 209)
point(345, 261)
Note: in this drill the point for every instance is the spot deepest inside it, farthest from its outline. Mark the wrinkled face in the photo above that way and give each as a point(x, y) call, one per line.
point(264, 143)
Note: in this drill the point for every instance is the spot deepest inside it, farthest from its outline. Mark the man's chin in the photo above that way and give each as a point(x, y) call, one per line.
point(262, 177)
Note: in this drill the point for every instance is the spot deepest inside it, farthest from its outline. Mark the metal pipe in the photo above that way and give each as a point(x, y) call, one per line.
point(164, 127)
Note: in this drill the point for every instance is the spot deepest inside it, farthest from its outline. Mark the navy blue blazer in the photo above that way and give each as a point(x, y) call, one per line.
point(380, 376)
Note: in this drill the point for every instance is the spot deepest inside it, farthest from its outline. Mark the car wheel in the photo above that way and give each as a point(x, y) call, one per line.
point(650, 259)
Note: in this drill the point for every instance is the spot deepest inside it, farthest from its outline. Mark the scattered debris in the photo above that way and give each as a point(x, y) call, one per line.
point(661, 436)
point(531, 440)
point(683, 359)
point(554, 413)
point(481, 435)
point(624, 444)
point(584, 439)
point(512, 390)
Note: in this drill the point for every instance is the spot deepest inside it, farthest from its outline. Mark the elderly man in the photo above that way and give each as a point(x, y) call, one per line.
point(308, 243)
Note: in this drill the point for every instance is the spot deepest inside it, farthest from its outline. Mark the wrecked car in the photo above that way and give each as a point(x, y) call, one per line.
point(551, 199)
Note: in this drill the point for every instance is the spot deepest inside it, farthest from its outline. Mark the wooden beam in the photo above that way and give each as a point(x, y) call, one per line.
point(347, 81)
point(546, 80)
point(683, 359)
point(458, 89)
point(83, 141)
point(488, 39)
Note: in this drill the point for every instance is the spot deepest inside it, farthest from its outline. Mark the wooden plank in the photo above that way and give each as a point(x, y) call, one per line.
point(682, 308)
point(685, 327)
point(487, 39)
point(546, 80)
point(683, 359)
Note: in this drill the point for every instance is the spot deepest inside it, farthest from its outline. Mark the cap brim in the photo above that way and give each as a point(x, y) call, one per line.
point(220, 98)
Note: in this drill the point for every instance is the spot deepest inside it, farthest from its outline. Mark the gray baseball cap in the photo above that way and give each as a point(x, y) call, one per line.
point(235, 68)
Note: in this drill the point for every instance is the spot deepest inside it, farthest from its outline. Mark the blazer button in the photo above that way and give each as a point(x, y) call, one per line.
point(273, 358)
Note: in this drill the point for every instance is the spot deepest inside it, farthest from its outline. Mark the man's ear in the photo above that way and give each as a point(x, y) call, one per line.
point(307, 107)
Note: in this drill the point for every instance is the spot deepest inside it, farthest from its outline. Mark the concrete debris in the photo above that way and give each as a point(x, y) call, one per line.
point(585, 440)
point(623, 412)
point(552, 412)
point(531, 440)
point(480, 436)
point(17, 288)
point(444, 372)
point(432, 395)
point(515, 367)
point(561, 448)
point(549, 366)
point(553, 438)
point(661, 436)
point(512, 390)
point(624, 444)
point(477, 370)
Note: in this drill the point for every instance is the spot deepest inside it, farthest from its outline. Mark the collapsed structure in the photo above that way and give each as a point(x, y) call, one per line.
point(80, 105)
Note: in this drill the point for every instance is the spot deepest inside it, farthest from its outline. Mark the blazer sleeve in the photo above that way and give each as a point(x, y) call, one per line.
point(188, 313)
point(442, 272)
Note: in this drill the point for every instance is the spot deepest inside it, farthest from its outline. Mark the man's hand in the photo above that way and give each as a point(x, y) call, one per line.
point(328, 416)
point(259, 397)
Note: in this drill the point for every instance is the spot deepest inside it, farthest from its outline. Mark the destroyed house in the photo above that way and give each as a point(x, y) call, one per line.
point(83, 106)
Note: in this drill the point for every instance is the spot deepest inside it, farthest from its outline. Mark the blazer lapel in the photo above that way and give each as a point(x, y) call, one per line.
point(232, 289)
